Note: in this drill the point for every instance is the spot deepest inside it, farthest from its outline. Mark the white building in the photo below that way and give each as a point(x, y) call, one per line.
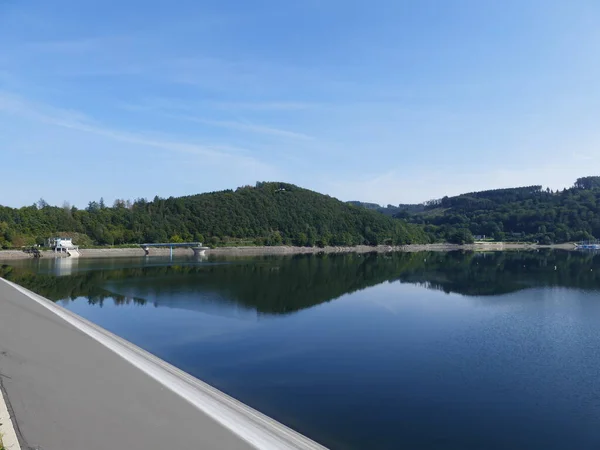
point(63, 245)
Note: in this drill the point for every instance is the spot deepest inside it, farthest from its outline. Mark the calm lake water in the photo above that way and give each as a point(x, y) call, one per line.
point(417, 351)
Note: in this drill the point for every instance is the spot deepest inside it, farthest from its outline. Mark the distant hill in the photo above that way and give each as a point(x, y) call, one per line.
point(266, 214)
point(528, 213)
point(390, 210)
point(365, 205)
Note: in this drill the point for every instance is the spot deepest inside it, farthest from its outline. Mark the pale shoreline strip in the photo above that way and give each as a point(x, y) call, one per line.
point(8, 436)
point(6, 255)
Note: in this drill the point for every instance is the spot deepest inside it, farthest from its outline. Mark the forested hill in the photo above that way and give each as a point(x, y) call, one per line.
point(390, 210)
point(266, 214)
point(525, 213)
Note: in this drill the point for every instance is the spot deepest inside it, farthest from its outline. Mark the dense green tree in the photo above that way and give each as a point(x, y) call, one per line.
point(461, 236)
point(271, 213)
point(520, 214)
point(588, 183)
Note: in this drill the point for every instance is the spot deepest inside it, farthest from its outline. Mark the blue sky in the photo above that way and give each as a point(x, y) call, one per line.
point(387, 101)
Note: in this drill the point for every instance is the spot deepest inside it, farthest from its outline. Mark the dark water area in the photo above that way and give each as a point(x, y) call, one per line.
point(419, 351)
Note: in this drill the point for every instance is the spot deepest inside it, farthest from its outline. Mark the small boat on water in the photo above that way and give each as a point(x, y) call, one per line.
point(588, 245)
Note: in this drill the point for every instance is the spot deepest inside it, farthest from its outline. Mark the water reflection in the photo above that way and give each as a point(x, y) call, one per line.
point(280, 285)
point(64, 266)
point(430, 350)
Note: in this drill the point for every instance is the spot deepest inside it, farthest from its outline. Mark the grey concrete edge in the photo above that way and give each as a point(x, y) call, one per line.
point(249, 424)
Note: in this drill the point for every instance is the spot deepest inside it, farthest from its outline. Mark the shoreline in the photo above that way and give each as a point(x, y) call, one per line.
point(8, 435)
point(6, 255)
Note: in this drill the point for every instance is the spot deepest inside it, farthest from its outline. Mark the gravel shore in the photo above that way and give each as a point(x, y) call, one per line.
point(285, 250)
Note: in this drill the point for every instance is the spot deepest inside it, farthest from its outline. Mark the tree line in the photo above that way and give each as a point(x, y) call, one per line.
point(528, 213)
point(269, 213)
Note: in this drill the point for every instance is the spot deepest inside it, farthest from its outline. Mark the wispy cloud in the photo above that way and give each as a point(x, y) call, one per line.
point(585, 157)
point(80, 122)
point(43, 113)
point(248, 127)
point(422, 184)
point(180, 110)
point(158, 104)
point(80, 45)
point(265, 106)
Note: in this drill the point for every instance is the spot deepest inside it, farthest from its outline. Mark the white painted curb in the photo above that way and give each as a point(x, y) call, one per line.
point(257, 429)
point(7, 430)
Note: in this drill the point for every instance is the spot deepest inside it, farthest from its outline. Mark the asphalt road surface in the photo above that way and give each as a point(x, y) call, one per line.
point(69, 391)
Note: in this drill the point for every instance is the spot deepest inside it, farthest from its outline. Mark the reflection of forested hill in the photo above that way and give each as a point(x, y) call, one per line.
point(269, 285)
point(274, 285)
point(503, 272)
point(83, 284)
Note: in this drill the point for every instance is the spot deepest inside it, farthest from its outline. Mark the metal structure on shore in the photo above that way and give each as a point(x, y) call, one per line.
point(33, 250)
point(196, 247)
point(588, 245)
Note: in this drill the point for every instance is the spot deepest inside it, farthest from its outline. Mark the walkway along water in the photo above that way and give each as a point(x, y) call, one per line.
point(73, 385)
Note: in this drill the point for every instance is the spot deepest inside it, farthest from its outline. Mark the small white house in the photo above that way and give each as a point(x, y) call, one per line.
point(63, 245)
